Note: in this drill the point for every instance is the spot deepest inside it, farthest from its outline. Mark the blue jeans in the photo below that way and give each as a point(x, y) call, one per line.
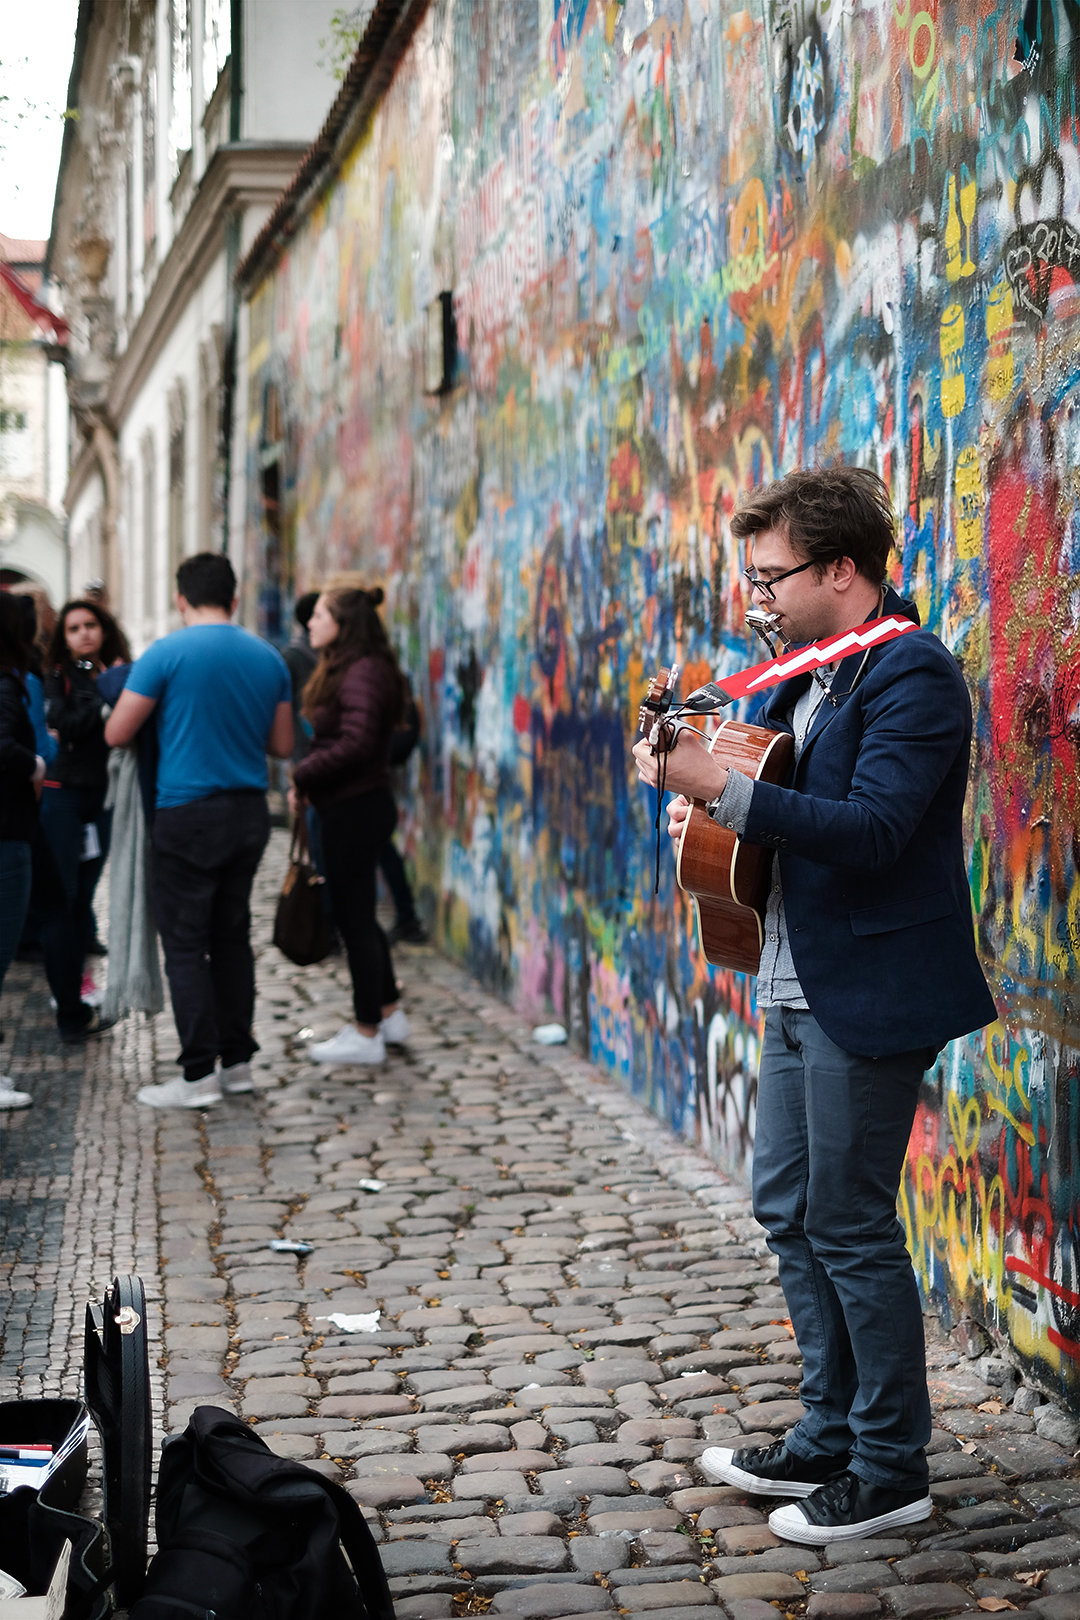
point(832, 1130)
point(15, 877)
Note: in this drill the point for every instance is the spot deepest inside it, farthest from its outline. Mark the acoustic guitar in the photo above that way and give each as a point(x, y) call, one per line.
point(728, 879)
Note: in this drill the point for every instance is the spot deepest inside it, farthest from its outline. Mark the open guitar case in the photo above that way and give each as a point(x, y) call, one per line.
point(108, 1556)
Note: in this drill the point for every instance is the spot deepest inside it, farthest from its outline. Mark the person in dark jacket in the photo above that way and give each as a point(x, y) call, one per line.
point(354, 700)
point(73, 815)
point(300, 658)
point(22, 771)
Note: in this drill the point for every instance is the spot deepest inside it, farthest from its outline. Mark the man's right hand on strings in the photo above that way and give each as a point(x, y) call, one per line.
point(677, 810)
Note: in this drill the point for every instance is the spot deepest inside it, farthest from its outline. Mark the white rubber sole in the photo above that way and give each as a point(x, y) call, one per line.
point(789, 1524)
point(237, 1080)
point(717, 1466)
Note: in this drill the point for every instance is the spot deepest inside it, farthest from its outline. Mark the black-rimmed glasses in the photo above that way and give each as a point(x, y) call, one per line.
point(765, 586)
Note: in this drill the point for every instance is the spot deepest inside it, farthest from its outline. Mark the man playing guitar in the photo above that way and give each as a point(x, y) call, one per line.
point(868, 969)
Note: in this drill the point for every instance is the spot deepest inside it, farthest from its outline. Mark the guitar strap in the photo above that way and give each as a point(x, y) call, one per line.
point(805, 660)
point(749, 682)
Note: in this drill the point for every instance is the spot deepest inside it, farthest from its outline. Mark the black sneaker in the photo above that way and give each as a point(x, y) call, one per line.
point(96, 1024)
point(771, 1470)
point(848, 1508)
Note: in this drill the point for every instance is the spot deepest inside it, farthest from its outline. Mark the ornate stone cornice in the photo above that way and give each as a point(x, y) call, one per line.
point(240, 174)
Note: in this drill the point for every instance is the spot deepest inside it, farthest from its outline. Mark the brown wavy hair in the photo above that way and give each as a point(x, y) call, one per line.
point(826, 513)
point(114, 643)
point(361, 634)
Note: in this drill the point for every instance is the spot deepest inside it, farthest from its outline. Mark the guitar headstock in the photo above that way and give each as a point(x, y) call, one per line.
point(658, 699)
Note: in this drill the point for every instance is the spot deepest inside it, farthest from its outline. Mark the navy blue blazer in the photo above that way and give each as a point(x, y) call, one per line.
point(869, 834)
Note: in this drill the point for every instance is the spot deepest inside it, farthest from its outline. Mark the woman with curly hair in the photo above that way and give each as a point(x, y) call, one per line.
point(354, 699)
point(76, 824)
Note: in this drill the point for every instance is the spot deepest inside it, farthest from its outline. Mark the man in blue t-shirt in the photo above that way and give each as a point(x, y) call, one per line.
point(223, 701)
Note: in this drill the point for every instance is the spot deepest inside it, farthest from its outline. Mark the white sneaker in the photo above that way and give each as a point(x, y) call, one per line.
point(349, 1046)
point(236, 1078)
point(9, 1097)
point(395, 1030)
point(181, 1093)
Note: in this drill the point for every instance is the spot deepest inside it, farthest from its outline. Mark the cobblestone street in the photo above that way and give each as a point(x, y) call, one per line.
point(571, 1305)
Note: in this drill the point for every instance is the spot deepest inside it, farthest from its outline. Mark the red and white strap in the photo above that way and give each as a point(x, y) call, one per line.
point(748, 682)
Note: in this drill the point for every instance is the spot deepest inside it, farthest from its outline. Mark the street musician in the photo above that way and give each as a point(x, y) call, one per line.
point(868, 968)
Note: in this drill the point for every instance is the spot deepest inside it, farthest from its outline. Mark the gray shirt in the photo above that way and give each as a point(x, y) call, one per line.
point(778, 982)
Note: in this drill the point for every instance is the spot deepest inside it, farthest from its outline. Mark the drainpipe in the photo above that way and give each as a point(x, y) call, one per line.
point(232, 259)
point(105, 449)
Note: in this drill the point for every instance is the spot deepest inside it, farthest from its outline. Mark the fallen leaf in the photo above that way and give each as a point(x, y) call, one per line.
point(1030, 1577)
point(801, 1575)
point(993, 1604)
point(990, 1406)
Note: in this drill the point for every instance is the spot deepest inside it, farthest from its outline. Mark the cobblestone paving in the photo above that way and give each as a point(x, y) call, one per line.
point(571, 1305)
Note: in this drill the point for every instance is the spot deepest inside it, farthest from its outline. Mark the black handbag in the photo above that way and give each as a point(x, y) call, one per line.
point(301, 927)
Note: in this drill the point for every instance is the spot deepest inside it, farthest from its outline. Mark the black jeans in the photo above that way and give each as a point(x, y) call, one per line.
point(392, 868)
point(204, 858)
point(354, 832)
point(69, 930)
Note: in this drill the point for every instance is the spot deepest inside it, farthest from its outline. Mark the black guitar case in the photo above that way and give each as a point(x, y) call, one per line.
point(108, 1560)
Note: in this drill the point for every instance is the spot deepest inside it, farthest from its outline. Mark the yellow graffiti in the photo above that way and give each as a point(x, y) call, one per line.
point(969, 501)
point(964, 1122)
point(747, 263)
point(952, 370)
point(1007, 1061)
point(999, 320)
point(948, 1213)
point(952, 235)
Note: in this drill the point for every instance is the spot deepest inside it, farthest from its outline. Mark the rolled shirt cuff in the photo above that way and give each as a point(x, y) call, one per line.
point(732, 809)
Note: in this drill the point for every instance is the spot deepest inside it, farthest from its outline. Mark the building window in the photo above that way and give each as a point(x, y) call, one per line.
point(149, 133)
point(16, 453)
point(149, 530)
point(177, 457)
point(180, 109)
point(211, 464)
point(217, 42)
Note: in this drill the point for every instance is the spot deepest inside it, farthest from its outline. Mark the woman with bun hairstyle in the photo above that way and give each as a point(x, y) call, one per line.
point(76, 824)
point(354, 699)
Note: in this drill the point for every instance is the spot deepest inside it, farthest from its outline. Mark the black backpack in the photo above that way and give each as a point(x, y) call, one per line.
point(245, 1535)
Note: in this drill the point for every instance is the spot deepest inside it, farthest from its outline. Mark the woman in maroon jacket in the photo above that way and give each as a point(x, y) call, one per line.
point(354, 699)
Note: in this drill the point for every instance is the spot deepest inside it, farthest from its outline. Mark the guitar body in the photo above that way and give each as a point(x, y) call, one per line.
point(729, 879)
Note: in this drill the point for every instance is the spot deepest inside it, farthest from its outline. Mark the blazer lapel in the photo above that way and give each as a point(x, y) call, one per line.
point(849, 670)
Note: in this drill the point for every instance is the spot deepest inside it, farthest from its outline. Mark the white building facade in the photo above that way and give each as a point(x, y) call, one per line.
point(192, 118)
point(33, 427)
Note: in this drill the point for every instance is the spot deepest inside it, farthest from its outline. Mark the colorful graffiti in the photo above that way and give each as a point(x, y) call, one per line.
point(691, 245)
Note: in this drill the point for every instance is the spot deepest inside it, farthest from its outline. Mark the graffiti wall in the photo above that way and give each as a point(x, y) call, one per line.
point(691, 245)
